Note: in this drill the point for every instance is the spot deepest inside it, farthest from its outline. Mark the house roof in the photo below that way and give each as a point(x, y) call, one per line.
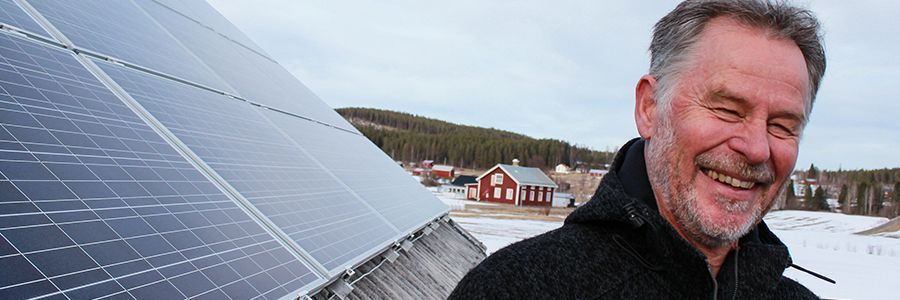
point(445, 168)
point(463, 180)
point(524, 175)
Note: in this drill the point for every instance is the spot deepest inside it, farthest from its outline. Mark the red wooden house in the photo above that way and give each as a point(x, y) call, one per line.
point(597, 172)
point(472, 191)
point(443, 171)
point(420, 172)
point(516, 185)
point(427, 164)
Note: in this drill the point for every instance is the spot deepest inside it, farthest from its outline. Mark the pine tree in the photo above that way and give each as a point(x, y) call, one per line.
point(790, 197)
point(820, 201)
point(877, 199)
point(862, 191)
point(808, 198)
point(895, 198)
point(813, 172)
point(844, 199)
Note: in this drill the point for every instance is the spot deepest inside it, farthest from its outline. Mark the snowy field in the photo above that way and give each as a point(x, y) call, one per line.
point(459, 204)
point(865, 267)
point(498, 233)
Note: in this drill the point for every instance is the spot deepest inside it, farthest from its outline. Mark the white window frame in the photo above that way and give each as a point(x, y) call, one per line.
point(497, 178)
point(540, 196)
point(509, 194)
point(522, 195)
point(497, 194)
point(531, 195)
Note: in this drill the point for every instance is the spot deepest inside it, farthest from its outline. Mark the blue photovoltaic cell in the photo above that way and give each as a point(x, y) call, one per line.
point(12, 14)
point(366, 170)
point(122, 30)
point(254, 77)
point(203, 13)
point(312, 207)
point(94, 203)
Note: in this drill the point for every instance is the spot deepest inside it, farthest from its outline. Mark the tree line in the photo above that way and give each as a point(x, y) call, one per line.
point(861, 192)
point(408, 137)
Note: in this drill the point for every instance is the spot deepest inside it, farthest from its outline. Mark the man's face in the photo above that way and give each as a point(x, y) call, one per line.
point(722, 151)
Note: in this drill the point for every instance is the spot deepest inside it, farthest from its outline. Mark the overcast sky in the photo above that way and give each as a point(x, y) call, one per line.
point(559, 69)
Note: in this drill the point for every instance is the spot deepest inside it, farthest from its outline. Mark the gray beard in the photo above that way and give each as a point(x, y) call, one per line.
point(681, 197)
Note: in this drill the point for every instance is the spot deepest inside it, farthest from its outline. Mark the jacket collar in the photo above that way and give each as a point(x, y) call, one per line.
point(612, 195)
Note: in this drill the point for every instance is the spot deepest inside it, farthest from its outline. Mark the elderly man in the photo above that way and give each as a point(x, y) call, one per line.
point(720, 116)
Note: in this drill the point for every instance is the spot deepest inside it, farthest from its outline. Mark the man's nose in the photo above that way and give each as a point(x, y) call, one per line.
point(753, 142)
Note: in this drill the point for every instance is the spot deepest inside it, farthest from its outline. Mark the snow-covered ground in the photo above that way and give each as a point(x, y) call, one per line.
point(865, 267)
point(499, 233)
point(451, 200)
point(821, 221)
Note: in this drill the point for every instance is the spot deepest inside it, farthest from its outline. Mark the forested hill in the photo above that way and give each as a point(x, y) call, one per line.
point(408, 137)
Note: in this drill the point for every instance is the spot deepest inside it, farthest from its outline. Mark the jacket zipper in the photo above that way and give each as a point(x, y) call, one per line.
point(737, 250)
point(736, 278)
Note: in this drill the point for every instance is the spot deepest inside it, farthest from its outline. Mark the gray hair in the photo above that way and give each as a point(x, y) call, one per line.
point(676, 33)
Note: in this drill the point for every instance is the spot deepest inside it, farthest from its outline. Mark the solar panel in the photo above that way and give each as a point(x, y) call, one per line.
point(12, 14)
point(296, 193)
point(122, 30)
point(254, 77)
point(94, 203)
point(201, 12)
point(142, 184)
point(367, 171)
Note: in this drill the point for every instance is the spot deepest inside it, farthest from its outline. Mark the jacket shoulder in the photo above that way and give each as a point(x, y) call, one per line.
point(574, 261)
point(790, 289)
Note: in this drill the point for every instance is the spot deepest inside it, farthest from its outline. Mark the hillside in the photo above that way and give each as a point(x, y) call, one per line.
point(408, 137)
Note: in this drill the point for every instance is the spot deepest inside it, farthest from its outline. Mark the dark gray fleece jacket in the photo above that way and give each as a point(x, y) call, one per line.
point(617, 246)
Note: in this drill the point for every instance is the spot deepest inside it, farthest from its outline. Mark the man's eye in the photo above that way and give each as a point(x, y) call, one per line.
point(728, 114)
point(781, 131)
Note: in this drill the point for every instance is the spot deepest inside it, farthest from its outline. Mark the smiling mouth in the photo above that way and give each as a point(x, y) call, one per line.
point(734, 182)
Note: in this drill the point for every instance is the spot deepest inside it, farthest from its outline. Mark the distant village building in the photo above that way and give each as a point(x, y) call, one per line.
point(582, 169)
point(472, 191)
point(458, 186)
point(419, 171)
point(563, 200)
point(800, 186)
point(562, 169)
point(443, 171)
point(597, 173)
point(427, 164)
point(516, 185)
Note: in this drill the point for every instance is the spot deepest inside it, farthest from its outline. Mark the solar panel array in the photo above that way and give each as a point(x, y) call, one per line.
point(172, 158)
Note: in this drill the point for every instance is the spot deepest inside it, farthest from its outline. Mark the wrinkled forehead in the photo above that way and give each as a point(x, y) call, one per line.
point(726, 45)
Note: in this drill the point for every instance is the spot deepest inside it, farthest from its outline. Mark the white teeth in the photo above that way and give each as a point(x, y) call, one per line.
point(729, 180)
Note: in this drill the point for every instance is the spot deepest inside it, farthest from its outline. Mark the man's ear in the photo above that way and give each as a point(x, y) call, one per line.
point(645, 106)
